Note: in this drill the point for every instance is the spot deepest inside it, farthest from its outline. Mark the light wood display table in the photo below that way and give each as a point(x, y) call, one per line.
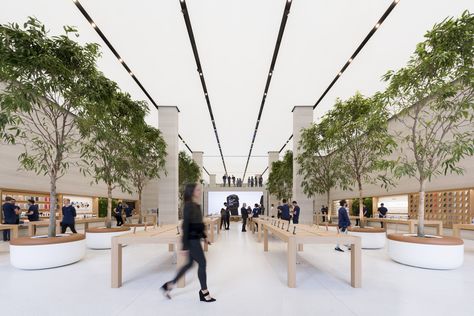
point(87, 221)
point(161, 235)
point(412, 223)
point(304, 234)
point(210, 223)
point(33, 225)
point(458, 227)
point(12, 227)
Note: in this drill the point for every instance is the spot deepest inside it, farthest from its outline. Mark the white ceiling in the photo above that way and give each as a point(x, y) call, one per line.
point(235, 40)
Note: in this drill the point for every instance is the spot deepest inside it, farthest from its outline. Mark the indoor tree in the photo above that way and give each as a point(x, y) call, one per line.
point(357, 128)
point(107, 130)
point(434, 95)
point(146, 153)
point(48, 84)
point(280, 179)
point(189, 172)
point(319, 164)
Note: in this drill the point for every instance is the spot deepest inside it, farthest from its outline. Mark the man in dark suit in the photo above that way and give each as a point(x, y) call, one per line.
point(343, 220)
point(245, 215)
point(382, 210)
point(10, 215)
point(69, 217)
point(285, 211)
point(227, 217)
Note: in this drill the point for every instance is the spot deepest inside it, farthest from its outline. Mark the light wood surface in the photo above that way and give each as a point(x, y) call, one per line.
point(458, 227)
point(298, 235)
point(166, 234)
point(13, 229)
point(411, 223)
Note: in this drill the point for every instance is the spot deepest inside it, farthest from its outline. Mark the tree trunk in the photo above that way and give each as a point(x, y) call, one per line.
point(52, 207)
point(140, 206)
point(361, 205)
point(328, 205)
point(421, 209)
point(108, 222)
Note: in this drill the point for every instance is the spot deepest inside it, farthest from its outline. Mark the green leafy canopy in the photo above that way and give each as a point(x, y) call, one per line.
point(280, 179)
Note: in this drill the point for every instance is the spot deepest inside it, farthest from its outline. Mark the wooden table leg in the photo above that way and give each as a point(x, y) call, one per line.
point(456, 231)
point(291, 262)
point(259, 232)
point(206, 246)
point(211, 226)
point(181, 261)
point(356, 264)
point(265, 238)
point(300, 247)
point(170, 247)
point(440, 229)
point(411, 227)
point(30, 229)
point(116, 263)
point(86, 226)
point(14, 232)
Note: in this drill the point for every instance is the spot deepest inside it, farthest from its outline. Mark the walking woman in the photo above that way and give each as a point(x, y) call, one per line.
point(193, 232)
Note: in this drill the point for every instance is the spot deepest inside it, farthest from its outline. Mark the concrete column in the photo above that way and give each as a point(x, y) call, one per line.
point(302, 118)
point(212, 180)
point(197, 157)
point(168, 183)
point(272, 157)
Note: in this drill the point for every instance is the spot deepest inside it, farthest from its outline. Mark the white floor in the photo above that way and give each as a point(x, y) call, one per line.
point(245, 280)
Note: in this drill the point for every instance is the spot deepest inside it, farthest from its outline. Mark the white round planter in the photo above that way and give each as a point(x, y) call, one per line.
point(41, 252)
point(433, 253)
point(101, 237)
point(371, 238)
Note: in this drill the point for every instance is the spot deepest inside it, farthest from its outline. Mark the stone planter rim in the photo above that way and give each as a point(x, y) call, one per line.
point(96, 230)
point(44, 240)
point(431, 240)
point(366, 230)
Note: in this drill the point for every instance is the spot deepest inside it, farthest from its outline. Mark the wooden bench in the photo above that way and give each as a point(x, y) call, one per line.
point(162, 235)
point(298, 235)
point(13, 229)
point(458, 227)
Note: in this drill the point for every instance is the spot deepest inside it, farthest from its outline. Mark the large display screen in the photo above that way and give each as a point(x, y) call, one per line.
point(216, 199)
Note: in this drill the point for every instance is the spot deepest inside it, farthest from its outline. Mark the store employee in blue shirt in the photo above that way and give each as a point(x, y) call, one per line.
point(296, 212)
point(10, 215)
point(69, 217)
point(285, 211)
point(33, 212)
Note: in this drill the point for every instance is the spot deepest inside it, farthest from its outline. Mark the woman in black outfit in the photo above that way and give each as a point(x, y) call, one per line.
point(193, 232)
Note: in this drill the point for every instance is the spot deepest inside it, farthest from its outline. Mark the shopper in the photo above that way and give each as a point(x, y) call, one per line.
point(128, 213)
point(344, 221)
point(69, 217)
point(10, 214)
point(279, 210)
point(223, 215)
point(248, 182)
point(260, 181)
point(193, 232)
point(285, 211)
point(227, 217)
point(382, 210)
point(365, 212)
point(245, 215)
point(272, 211)
point(33, 211)
point(224, 179)
point(324, 211)
point(118, 214)
point(233, 180)
point(251, 181)
point(228, 180)
point(296, 212)
point(255, 213)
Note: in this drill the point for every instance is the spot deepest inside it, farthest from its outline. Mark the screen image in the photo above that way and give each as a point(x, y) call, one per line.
point(235, 200)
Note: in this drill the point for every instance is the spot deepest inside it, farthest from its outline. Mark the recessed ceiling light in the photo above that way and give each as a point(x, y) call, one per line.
point(131, 73)
point(93, 25)
point(377, 25)
point(350, 60)
point(340, 73)
point(270, 74)
point(121, 60)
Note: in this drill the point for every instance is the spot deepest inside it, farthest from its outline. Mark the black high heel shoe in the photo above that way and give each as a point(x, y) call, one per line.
point(166, 290)
point(206, 297)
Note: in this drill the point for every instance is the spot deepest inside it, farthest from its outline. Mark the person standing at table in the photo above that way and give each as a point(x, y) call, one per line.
point(128, 213)
point(245, 215)
point(193, 232)
point(228, 180)
point(343, 221)
point(33, 211)
point(285, 211)
point(233, 180)
point(255, 213)
point(296, 212)
point(251, 181)
point(118, 214)
point(227, 216)
point(223, 215)
point(324, 211)
point(69, 217)
point(382, 210)
point(224, 179)
point(10, 214)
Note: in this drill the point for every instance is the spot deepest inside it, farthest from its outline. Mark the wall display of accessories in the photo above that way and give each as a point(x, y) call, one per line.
point(83, 204)
point(22, 198)
point(451, 207)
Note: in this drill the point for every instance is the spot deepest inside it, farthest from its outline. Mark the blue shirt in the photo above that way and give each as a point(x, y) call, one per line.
point(343, 218)
point(35, 216)
point(128, 211)
point(256, 211)
point(69, 212)
point(285, 212)
point(9, 214)
point(118, 210)
point(296, 212)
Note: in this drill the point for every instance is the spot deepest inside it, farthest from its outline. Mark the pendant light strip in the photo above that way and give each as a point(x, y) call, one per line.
point(189, 28)
point(286, 12)
point(353, 56)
